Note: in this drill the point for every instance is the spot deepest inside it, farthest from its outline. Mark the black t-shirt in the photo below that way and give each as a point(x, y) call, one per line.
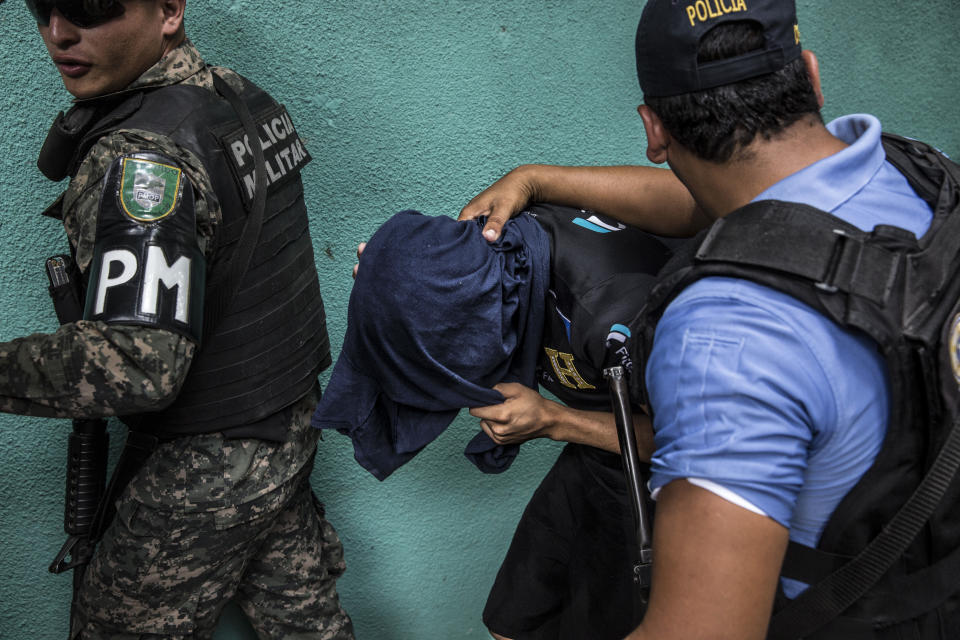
point(601, 272)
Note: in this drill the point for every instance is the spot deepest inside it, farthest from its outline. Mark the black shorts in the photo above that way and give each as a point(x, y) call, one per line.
point(569, 571)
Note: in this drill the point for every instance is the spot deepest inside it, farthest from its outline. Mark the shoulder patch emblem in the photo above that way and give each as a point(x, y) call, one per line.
point(148, 190)
point(954, 346)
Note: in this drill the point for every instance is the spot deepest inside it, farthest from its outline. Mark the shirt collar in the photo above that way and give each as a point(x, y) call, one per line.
point(828, 183)
point(173, 68)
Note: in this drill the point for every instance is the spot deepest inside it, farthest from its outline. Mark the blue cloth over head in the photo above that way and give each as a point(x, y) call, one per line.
point(437, 316)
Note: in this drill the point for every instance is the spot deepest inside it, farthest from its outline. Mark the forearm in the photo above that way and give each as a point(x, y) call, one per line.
point(650, 198)
point(596, 429)
point(90, 369)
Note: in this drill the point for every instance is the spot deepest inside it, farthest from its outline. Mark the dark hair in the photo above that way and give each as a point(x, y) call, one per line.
point(715, 123)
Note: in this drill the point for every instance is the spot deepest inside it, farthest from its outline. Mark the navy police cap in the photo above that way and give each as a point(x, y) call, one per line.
point(669, 35)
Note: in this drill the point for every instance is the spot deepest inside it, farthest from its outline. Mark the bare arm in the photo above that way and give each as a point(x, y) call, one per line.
point(650, 198)
point(525, 415)
point(715, 568)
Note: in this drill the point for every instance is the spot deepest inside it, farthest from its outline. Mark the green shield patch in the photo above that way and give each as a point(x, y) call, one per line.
point(148, 190)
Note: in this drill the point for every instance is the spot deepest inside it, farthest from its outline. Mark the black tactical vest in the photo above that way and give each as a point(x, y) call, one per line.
point(888, 562)
point(264, 334)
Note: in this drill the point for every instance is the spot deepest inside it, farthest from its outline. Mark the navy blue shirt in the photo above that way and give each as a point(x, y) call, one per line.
point(437, 317)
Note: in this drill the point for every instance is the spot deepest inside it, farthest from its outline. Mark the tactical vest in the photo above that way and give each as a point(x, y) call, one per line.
point(887, 562)
point(264, 334)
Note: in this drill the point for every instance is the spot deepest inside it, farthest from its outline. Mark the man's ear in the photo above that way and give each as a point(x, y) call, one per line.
point(813, 72)
point(172, 16)
point(657, 137)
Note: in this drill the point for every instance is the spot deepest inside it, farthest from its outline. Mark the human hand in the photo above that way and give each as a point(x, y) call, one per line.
point(500, 201)
point(523, 415)
point(356, 267)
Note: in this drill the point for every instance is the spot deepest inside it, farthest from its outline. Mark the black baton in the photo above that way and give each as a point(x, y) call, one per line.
point(616, 376)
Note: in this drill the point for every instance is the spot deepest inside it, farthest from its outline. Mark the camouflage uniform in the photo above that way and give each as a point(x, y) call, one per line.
point(206, 519)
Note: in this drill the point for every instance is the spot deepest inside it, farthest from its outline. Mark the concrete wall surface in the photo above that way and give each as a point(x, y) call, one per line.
point(404, 104)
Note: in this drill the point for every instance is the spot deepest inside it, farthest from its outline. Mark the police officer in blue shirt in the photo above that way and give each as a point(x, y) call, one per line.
point(766, 413)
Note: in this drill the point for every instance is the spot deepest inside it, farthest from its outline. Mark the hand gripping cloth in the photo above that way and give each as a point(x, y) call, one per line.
point(437, 316)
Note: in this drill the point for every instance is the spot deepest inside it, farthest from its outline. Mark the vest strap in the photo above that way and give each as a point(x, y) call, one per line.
point(779, 236)
point(220, 298)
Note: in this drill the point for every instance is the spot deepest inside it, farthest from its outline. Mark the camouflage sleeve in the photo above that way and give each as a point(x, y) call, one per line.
point(89, 369)
point(82, 198)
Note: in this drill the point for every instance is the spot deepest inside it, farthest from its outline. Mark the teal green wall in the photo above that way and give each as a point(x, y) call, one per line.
point(405, 103)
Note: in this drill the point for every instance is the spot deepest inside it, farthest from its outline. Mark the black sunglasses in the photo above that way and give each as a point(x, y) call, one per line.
point(83, 13)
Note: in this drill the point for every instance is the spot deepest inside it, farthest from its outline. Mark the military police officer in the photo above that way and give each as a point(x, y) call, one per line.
point(202, 328)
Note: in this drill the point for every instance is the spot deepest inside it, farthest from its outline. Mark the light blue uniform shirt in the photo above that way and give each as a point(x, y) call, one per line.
point(758, 397)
